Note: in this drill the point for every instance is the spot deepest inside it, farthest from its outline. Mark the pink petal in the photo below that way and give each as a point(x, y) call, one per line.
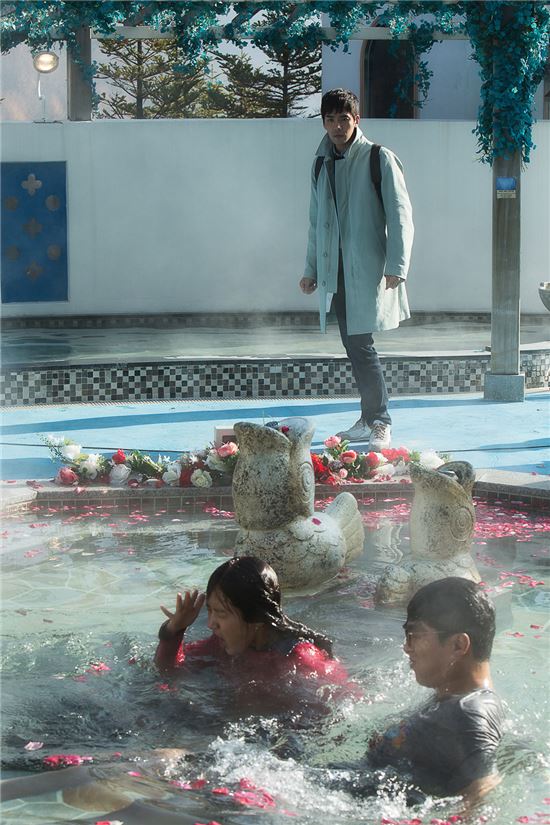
point(34, 746)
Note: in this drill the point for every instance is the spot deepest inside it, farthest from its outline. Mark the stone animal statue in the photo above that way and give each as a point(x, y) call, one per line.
point(273, 495)
point(442, 526)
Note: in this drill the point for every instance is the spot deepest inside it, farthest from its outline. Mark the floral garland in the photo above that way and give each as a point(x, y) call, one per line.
point(336, 465)
point(191, 469)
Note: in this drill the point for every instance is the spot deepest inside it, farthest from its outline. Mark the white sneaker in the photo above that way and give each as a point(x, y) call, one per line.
point(360, 431)
point(380, 437)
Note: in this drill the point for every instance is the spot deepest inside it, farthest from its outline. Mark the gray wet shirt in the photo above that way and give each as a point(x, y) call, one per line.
point(446, 744)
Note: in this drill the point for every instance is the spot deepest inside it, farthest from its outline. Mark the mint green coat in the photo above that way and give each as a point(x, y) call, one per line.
point(370, 247)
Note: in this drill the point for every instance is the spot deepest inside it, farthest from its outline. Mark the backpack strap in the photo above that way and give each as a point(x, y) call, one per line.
point(319, 160)
point(376, 171)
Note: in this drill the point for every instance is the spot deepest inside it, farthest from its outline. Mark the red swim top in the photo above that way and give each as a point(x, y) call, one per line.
point(283, 661)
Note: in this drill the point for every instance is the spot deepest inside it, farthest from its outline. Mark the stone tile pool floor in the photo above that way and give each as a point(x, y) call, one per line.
point(511, 437)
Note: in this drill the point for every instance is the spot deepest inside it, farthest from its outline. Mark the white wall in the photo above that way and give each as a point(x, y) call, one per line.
point(199, 215)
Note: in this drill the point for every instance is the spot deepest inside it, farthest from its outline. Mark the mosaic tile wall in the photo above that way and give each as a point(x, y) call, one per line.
point(281, 378)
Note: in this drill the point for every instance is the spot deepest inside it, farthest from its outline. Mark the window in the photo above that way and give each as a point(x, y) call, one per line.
point(385, 62)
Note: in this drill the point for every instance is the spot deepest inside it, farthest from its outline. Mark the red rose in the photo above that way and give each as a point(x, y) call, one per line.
point(185, 476)
point(348, 457)
point(372, 460)
point(118, 457)
point(322, 472)
point(66, 476)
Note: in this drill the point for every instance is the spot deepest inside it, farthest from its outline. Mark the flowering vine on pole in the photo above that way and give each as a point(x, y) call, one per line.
point(511, 49)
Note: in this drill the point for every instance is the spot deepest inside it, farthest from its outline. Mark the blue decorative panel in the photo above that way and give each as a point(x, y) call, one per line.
point(34, 232)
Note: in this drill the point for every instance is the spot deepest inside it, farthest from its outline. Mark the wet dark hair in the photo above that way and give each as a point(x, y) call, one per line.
point(339, 100)
point(252, 587)
point(456, 605)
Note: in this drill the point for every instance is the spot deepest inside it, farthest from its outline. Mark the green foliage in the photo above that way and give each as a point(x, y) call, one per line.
point(242, 94)
point(509, 40)
point(510, 43)
point(141, 73)
point(143, 464)
point(293, 74)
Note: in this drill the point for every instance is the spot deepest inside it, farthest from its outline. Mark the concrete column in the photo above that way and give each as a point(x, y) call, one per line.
point(504, 381)
point(79, 90)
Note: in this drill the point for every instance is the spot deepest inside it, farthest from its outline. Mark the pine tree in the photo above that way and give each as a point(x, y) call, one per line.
point(149, 87)
point(294, 74)
point(241, 94)
point(278, 89)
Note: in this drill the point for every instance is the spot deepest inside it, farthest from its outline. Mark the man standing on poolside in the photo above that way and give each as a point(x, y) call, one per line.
point(358, 253)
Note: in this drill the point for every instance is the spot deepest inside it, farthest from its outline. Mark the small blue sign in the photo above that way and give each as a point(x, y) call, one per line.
point(33, 203)
point(506, 184)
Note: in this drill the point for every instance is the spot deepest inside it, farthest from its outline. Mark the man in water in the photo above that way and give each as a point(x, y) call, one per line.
point(359, 247)
point(449, 745)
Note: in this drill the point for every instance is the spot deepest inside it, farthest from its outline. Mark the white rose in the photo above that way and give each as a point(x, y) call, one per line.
point(381, 459)
point(200, 478)
point(172, 474)
point(430, 460)
point(119, 474)
point(71, 451)
point(90, 466)
point(215, 462)
point(401, 468)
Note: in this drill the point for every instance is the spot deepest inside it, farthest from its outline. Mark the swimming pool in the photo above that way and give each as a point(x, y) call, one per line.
point(80, 611)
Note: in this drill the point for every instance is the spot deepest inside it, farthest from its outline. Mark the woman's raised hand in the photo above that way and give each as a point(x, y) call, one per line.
point(188, 608)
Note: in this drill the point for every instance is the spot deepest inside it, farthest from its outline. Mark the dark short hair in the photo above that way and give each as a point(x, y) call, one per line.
point(456, 605)
point(252, 587)
point(339, 100)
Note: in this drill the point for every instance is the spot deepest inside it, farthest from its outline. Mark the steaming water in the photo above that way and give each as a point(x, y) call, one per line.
point(81, 593)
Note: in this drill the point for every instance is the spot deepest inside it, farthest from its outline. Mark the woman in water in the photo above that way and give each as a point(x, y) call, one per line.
point(251, 637)
point(249, 628)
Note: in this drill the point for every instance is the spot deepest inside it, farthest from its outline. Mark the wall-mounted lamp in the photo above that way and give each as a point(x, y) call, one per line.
point(44, 63)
